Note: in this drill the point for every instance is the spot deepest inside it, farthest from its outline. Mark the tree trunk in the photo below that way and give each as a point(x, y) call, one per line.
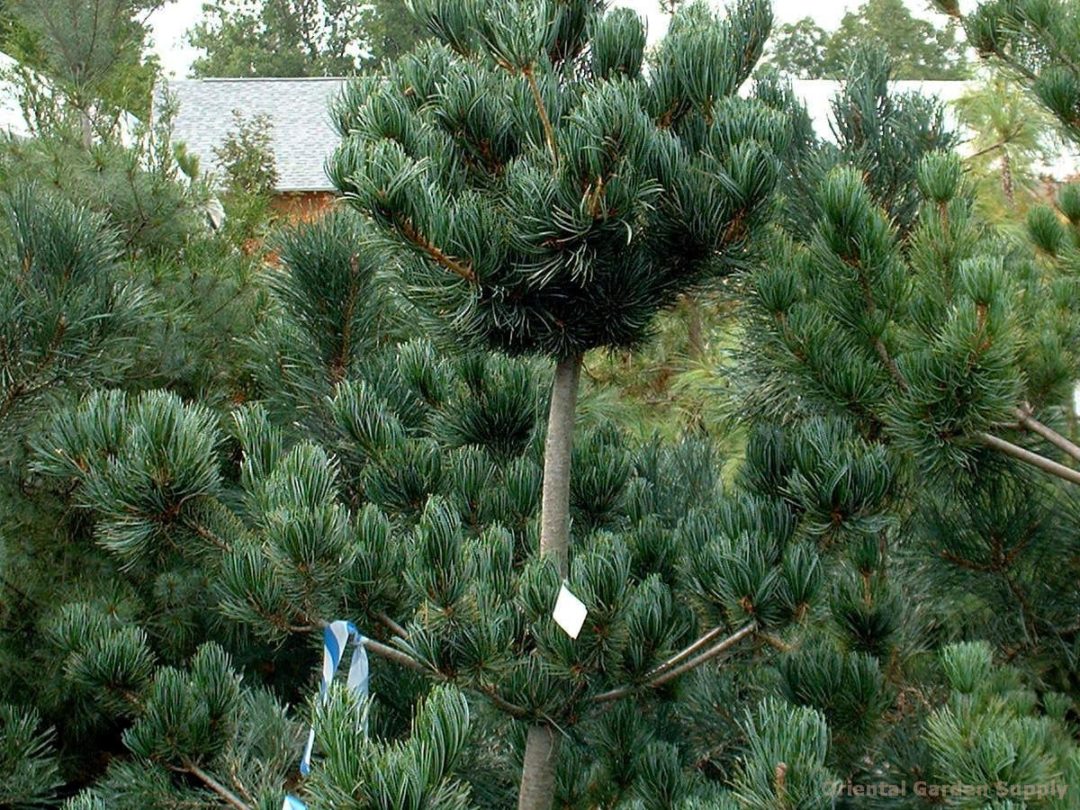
point(538, 774)
point(555, 507)
point(86, 129)
point(1007, 178)
point(695, 332)
point(537, 791)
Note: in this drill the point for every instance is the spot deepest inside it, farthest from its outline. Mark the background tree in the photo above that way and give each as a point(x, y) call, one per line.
point(916, 47)
point(798, 49)
point(299, 37)
point(928, 344)
point(1013, 137)
point(93, 53)
point(246, 156)
point(390, 31)
point(249, 175)
point(878, 132)
point(1036, 42)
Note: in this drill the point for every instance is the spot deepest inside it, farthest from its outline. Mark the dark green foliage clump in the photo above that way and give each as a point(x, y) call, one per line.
point(535, 210)
point(923, 341)
point(69, 309)
point(1037, 41)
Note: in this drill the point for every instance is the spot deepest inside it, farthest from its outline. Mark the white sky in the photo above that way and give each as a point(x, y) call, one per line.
point(170, 22)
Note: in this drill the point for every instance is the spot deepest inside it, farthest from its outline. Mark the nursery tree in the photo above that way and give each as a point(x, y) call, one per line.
point(1037, 41)
point(932, 341)
point(90, 53)
point(181, 533)
point(544, 194)
point(928, 529)
point(169, 565)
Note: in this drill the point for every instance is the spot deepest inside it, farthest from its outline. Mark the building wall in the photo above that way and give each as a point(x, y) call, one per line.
point(302, 206)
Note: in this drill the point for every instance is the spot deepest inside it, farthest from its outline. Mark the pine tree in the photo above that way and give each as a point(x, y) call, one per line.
point(169, 525)
point(548, 197)
point(929, 341)
point(197, 533)
point(66, 308)
point(1013, 136)
point(1036, 40)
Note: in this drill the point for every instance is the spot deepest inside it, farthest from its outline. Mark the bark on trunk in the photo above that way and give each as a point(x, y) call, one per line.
point(537, 791)
point(555, 506)
point(1007, 178)
point(538, 774)
point(86, 128)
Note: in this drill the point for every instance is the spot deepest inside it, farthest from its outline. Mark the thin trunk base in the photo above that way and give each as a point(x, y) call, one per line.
point(558, 449)
point(538, 772)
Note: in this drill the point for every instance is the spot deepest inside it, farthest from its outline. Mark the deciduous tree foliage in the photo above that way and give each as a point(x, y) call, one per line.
point(918, 48)
point(299, 37)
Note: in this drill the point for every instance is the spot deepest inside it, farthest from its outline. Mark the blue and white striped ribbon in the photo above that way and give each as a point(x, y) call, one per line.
point(335, 637)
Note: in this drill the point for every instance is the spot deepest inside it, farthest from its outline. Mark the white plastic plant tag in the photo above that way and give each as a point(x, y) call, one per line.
point(569, 612)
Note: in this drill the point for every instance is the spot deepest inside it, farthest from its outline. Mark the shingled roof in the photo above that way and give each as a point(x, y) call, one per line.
point(302, 135)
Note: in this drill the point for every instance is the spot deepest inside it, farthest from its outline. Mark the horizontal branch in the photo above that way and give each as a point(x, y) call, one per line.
point(685, 653)
point(1005, 141)
point(706, 656)
point(395, 655)
point(441, 258)
point(393, 626)
point(385, 651)
point(227, 795)
point(406, 660)
point(1028, 457)
point(500, 702)
point(1035, 426)
point(664, 676)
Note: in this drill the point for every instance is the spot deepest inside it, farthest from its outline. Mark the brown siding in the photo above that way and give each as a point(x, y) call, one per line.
point(302, 206)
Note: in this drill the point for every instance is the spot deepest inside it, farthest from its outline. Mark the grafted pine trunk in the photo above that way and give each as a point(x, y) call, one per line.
point(537, 791)
point(555, 507)
point(538, 772)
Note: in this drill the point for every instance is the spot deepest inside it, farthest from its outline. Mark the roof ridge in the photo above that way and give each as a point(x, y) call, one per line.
point(243, 79)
